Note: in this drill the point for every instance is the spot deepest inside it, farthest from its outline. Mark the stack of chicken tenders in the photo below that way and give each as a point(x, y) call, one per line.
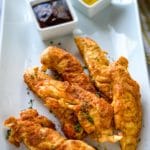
point(104, 105)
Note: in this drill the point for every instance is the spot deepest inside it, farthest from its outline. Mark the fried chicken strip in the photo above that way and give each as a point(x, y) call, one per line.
point(127, 104)
point(116, 83)
point(70, 102)
point(67, 66)
point(97, 64)
point(50, 91)
point(38, 133)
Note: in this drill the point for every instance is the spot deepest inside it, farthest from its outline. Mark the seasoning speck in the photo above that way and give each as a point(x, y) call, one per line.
point(28, 92)
point(97, 94)
point(51, 42)
point(97, 59)
point(77, 127)
point(31, 103)
point(139, 140)
point(8, 133)
point(84, 67)
point(59, 43)
point(32, 76)
point(50, 111)
point(88, 117)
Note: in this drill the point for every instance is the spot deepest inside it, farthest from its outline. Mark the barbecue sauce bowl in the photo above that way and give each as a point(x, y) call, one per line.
point(53, 18)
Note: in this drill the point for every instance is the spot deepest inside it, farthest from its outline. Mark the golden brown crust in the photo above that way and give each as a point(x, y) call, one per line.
point(74, 145)
point(97, 64)
point(115, 82)
point(51, 92)
point(73, 105)
point(127, 104)
point(91, 100)
point(67, 66)
point(38, 133)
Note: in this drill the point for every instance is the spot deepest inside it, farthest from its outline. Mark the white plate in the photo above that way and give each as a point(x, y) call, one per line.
point(117, 30)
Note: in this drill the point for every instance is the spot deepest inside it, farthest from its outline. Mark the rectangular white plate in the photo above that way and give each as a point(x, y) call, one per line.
point(116, 29)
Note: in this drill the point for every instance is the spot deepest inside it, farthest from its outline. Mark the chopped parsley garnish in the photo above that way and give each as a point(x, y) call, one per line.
point(139, 140)
point(32, 76)
point(59, 43)
point(50, 111)
point(31, 103)
point(105, 148)
point(51, 42)
point(71, 103)
point(57, 76)
point(97, 59)
point(88, 117)
point(8, 133)
point(84, 67)
point(97, 94)
point(77, 127)
point(28, 92)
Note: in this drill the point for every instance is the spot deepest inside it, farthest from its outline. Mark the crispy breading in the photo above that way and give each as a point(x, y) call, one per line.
point(50, 91)
point(38, 133)
point(127, 104)
point(74, 145)
point(97, 63)
point(116, 83)
point(74, 105)
point(67, 66)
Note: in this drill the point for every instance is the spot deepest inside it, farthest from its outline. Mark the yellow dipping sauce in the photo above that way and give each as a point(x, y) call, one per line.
point(90, 2)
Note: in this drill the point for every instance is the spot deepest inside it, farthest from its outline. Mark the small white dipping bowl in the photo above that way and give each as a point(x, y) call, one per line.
point(90, 10)
point(54, 30)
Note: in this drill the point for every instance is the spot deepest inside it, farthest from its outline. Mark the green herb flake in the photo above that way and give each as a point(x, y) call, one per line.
point(51, 42)
point(88, 117)
point(57, 76)
point(97, 59)
point(8, 134)
point(30, 103)
point(32, 76)
point(50, 111)
point(52, 147)
point(85, 67)
point(71, 103)
point(27, 88)
point(77, 127)
point(105, 148)
point(59, 43)
point(139, 140)
point(97, 94)
point(28, 92)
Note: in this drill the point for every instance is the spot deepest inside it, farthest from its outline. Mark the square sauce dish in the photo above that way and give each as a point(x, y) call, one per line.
point(90, 7)
point(53, 18)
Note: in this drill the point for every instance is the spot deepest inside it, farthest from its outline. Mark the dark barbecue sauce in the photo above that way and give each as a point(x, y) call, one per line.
point(52, 12)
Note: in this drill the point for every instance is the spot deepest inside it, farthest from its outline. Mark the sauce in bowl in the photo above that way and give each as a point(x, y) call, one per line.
point(90, 2)
point(52, 12)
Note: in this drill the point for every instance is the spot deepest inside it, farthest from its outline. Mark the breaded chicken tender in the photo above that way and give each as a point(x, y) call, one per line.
point(116, 83)
point(67, 66)
point(38, 133)
point(127, 104)
point(50, 91)
point(79, 111)
point(97, 63)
